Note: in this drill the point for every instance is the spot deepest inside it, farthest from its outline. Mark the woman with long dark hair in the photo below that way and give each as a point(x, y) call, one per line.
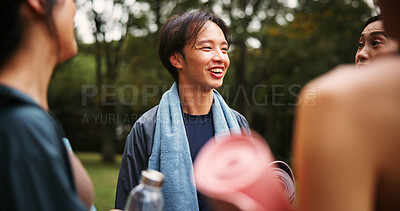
point(37, 170)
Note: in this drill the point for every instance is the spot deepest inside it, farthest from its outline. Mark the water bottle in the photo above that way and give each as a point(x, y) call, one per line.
point(147, 196)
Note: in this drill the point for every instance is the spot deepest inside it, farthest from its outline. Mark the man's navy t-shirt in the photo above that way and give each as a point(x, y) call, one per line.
point(199, 129)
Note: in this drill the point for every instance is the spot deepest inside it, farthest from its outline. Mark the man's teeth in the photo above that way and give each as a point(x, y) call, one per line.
point(216, 70)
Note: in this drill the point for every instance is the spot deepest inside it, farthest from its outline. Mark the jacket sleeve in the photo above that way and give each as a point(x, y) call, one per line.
point(135, 157)
point(243, 124)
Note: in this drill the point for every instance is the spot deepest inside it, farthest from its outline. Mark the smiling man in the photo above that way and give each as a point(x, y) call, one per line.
point(194, 49)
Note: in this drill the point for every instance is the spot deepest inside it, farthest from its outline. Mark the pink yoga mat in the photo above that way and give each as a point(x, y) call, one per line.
point(235, 174)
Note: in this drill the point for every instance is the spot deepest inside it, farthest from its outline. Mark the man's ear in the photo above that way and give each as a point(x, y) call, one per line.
point(176, 60)
point(38, 6)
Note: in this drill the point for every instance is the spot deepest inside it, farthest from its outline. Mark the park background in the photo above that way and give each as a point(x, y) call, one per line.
point(277, 46)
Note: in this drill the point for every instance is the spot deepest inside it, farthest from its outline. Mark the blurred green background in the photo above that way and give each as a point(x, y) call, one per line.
point(277, 46)
point(104, 177)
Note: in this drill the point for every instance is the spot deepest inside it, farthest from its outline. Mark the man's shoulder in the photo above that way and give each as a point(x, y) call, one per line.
point(237, 114)
point(146, 123)
point(240, 118)
point(148, 116)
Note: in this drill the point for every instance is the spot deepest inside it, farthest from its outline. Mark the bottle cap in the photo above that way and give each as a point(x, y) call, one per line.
point(152, 177)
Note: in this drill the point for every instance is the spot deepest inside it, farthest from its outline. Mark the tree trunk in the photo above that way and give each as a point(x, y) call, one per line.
point(240, 78)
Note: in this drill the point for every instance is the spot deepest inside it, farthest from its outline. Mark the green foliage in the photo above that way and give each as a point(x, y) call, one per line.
point(104, 177)
point(322, 35)
point(262, 82)
point(65, 99)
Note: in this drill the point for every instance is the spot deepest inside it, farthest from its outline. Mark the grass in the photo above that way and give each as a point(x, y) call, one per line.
point(104, 177)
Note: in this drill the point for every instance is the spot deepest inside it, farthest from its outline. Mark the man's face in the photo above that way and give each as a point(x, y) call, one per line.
point(206, 60)
point(374, 43)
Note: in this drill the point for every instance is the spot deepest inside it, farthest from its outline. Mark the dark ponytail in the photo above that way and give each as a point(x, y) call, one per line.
point(12, 26)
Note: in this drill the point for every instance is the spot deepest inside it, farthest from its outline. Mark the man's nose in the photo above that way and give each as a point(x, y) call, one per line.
point(363, 55)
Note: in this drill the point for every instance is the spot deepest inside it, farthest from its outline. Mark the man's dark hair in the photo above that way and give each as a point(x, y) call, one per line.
point(180, 30)
point(371, 20)
point(11, 23)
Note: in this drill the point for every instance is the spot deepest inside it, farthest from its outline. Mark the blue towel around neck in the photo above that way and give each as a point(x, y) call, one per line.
point(170, 153)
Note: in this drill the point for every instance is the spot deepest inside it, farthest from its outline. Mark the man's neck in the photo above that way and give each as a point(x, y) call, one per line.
point(195, 100)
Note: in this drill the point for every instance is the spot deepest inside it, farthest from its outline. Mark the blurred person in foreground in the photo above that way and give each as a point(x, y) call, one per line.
point(240, 173)
point(347, 134)
point(374, 42)
point(193, 47)
point(38, 172)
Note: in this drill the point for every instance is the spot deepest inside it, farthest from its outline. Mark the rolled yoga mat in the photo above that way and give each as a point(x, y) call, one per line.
point(285, 177)
point(238, 173)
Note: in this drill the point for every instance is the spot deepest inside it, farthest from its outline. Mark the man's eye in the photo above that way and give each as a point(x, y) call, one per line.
point(224, 50)
point(376, 42)
point(360, 45)
point(206, 48)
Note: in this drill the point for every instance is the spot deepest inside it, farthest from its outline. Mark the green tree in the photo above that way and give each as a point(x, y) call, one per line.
point(275, 51)
point(322, 35)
